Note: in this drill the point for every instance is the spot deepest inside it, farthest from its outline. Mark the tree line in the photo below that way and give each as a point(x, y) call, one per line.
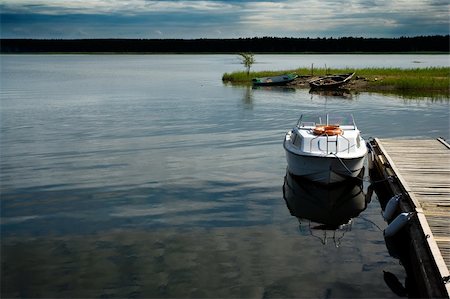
point(435, 43)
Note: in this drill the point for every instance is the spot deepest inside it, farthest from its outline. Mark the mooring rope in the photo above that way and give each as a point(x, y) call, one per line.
point(366, 178)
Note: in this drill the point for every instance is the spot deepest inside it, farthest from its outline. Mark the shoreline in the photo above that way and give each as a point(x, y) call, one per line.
point(218, 53)
point(362, 84)
point(430, 43)
point(434, 82)
point(359, 84)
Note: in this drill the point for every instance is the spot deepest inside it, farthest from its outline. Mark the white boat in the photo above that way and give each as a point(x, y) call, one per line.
point(325, 149)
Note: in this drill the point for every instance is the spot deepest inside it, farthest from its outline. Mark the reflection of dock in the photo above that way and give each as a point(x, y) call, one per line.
point(421, 172)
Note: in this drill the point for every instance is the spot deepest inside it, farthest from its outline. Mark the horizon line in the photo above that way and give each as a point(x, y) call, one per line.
point(233, 38)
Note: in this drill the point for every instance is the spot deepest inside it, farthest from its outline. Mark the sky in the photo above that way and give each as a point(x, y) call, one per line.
point(72, 19)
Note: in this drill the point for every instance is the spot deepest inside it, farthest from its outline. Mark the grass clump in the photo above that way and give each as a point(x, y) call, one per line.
point(432, 79)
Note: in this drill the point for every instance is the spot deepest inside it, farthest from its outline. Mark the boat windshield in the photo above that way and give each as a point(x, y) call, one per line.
point(310, 120)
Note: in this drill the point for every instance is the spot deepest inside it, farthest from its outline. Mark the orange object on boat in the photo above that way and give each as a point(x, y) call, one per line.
point(330, 130)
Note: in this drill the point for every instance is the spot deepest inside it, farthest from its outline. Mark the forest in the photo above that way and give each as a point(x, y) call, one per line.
point(436, 43)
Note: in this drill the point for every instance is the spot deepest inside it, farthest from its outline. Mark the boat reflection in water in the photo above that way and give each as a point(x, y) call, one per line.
point(323, 210)
point(332, 93)
point(274, 88)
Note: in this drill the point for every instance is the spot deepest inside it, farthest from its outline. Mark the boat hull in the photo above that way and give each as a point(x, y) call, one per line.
point(324, 170)
point(330, 82)
point(279, 83)
point(326, 86)
point(274, 81)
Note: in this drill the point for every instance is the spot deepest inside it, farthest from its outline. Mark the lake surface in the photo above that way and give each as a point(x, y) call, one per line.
point(145, 176)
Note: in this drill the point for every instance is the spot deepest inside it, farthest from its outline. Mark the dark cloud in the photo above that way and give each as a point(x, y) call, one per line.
point(235, 18)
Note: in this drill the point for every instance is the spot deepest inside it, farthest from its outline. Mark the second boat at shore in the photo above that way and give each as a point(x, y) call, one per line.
point(331, 81)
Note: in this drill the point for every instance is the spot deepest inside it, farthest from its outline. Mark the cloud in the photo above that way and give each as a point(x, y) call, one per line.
point(235, 18)
point(129, 7)
point(356, 17)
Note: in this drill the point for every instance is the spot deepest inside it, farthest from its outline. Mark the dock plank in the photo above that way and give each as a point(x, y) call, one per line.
point(423, 167)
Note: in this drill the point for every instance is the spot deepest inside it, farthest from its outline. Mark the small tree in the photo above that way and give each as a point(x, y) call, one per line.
point(247, 60)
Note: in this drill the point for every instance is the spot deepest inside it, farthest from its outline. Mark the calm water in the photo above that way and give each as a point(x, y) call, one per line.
point(145, 176)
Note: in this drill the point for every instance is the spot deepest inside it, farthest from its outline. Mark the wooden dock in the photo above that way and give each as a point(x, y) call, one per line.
point(419, 170)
